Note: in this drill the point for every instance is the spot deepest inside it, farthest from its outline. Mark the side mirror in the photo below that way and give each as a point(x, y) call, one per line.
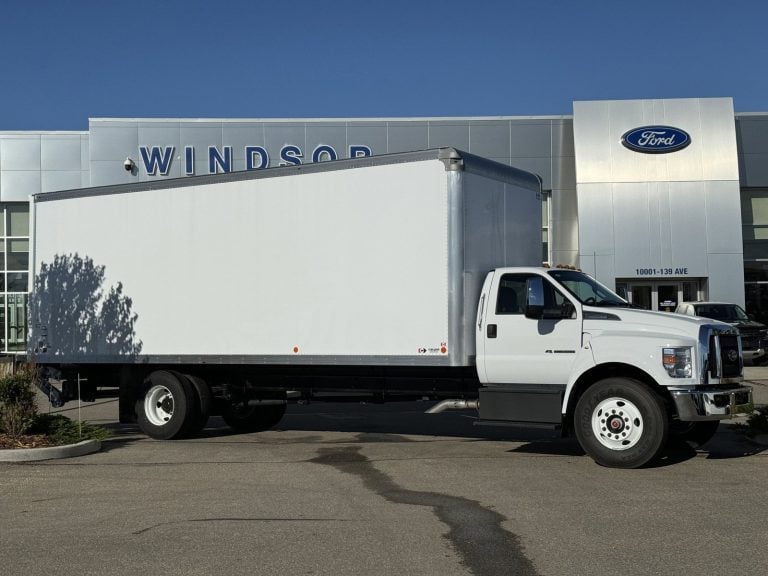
point(534, 301)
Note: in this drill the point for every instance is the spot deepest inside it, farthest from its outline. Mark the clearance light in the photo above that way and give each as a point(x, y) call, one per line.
point(678, 362)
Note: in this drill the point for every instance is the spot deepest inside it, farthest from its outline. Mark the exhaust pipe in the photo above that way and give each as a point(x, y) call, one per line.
point(454, 405)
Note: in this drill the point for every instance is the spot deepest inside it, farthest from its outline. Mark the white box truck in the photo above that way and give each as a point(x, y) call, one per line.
point(391, 277)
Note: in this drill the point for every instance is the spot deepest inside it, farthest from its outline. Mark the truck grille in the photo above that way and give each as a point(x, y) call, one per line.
point(724, 356)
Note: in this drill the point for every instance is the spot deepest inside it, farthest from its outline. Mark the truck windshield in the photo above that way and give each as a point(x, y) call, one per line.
point(588, 290)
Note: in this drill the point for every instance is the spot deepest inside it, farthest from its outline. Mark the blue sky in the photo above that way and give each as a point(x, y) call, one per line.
point(64, 61)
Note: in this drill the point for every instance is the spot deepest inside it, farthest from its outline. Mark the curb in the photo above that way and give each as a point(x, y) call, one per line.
point(50, 452)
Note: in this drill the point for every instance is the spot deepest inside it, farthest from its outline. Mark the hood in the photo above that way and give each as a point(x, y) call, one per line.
point(632, 319)
point(749, 326)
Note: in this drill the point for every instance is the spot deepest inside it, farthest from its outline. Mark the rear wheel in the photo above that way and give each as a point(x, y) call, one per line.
point(168, 405)
point(621, 423)
point(204, 401)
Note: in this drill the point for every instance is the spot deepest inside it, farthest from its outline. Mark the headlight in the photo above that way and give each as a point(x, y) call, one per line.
point(678, 362)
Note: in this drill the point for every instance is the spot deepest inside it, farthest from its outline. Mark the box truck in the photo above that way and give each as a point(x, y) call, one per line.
point(393, 277)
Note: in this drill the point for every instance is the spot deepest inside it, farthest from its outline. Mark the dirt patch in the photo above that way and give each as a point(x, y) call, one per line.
point(26, 441)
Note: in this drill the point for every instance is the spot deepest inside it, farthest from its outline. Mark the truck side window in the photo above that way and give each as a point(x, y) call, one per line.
point(511, 297)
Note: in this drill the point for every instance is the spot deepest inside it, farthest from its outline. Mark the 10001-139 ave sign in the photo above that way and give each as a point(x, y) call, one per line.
point(656, 139)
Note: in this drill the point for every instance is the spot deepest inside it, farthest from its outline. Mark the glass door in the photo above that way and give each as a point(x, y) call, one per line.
point(667, 297)
point(642, 295)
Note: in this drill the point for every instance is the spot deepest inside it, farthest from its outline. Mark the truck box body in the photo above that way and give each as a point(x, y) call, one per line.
point(374, 261)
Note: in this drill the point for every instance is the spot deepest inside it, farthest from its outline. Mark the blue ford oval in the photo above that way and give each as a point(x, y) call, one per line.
point(656, 139)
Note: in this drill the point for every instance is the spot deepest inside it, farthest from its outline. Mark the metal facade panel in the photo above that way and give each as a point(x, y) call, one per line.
point(85, 153)
point(445, 134)
point(60, 152)
point(333, 135)
point(278, 135)
point(718, 132)
point(564, 205)
point(104, 173)
point(530, 140)
point(596, 233)
point(407, 136)
point(114, 141)
point(722, 269)
point(373, 135)
point(563, 172)
point(599, 126)
point(20, 152)
point(52, 180)
point(17, 185)
point(490, 139)
point(592, 136)
point(200, 135)
point(562, 138)
point(723, 202)
point(688, 227)
point(668, 212)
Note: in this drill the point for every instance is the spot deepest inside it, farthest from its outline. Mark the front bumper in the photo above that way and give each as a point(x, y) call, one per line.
point(712, 404)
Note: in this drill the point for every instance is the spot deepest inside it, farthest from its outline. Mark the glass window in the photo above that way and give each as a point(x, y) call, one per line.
point(17, 282)
point(757, 301)
point(511, 297)
point(513, 291)
point(17, 322)
point(690, 291)
point(18, 220)
point(18, 255)
point(2, 321)
point(14, 256)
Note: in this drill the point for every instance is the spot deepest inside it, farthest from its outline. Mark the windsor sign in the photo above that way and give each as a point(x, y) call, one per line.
point(157, 160)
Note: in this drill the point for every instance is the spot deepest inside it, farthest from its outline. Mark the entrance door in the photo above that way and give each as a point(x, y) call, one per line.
point(663, 296)
point(642, 295)
point(667, 297)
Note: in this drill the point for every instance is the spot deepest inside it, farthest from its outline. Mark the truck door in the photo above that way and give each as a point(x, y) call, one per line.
point(523, 350)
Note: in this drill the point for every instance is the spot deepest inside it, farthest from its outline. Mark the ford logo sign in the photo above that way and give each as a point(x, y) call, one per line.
point(656, 139)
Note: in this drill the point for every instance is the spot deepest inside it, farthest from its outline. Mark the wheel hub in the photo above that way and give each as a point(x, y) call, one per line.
point(617, 423)
point(158, 405)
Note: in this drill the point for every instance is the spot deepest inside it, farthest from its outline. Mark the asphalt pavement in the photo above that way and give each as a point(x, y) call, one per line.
point(367, 489)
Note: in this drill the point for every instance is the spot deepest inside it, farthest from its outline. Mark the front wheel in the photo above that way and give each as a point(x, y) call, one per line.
point(621, 423)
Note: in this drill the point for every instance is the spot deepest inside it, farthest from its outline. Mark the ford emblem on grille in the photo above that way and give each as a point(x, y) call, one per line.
point(656, 139)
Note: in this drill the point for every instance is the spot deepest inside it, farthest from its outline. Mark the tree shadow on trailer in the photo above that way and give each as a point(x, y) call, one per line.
point(75, 316)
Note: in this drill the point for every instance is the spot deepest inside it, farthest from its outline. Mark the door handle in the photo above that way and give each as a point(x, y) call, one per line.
point(491, 330)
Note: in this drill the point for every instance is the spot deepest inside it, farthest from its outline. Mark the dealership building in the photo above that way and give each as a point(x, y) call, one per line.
point(663, 200)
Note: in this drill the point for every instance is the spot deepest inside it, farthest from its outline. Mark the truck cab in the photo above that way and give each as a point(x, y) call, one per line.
point(556, 347)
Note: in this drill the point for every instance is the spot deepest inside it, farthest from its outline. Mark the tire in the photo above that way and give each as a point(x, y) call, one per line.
point(621, 423)
point(204, 402)
point(168, 406)
point(254, 418)
point(695, 433)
